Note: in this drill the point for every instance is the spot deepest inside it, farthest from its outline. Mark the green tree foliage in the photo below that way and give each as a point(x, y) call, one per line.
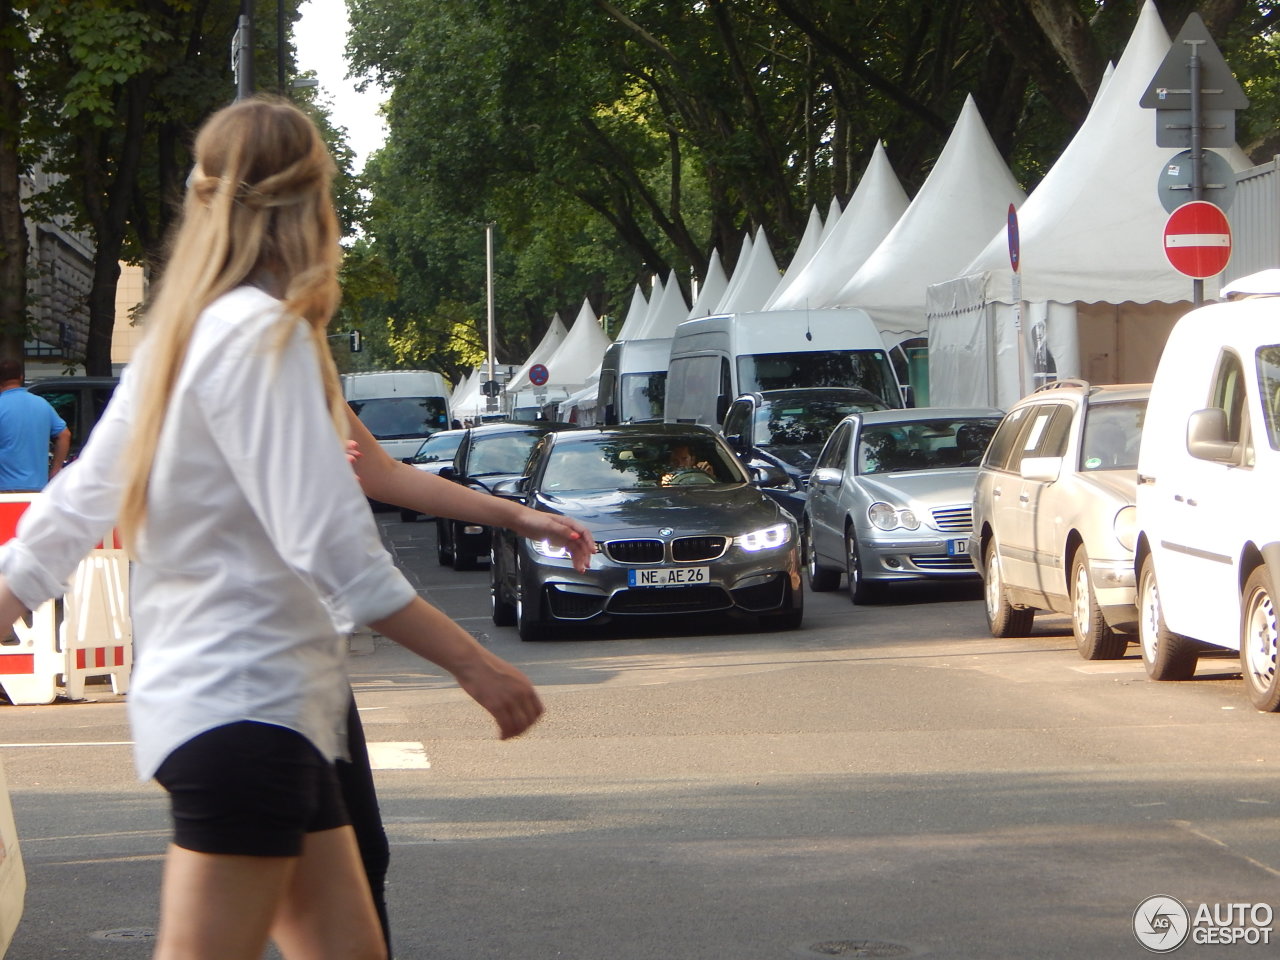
point(109, 97)
point(610, 138)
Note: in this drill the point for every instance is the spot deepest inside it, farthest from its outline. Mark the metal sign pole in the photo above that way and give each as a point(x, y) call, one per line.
point(1197, 149)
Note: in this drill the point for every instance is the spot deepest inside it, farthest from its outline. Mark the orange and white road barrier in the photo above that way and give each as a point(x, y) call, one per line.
point(93, 637)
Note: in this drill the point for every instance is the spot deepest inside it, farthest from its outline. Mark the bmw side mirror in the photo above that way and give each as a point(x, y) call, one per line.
point(769, 477)
point(448, 473)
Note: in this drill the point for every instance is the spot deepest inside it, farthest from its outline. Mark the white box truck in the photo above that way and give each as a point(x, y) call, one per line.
point(715, 359)
point(633, 380)
point(401, 408)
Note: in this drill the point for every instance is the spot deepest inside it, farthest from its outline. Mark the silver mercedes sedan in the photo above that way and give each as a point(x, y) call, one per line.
point(682, 529)
point(891, 498)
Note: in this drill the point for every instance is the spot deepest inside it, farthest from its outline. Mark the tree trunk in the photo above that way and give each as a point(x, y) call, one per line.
point(13, 230)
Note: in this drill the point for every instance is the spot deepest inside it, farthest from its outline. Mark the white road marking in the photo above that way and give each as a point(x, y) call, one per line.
point(404, 755)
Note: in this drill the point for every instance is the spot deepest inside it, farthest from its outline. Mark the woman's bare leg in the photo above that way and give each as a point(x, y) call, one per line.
point(327, 912)
point(218, 907)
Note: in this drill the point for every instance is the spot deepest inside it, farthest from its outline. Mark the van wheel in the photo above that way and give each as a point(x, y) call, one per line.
point(1258, 642)
point(1004, 619)
point(821, 579)
point(1165, 654)
point(1094, 638)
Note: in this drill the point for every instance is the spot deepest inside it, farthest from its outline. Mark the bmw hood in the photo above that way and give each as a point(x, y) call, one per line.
point(726, 510)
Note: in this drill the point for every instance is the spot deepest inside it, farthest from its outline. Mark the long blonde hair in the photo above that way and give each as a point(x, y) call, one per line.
point(258, 203)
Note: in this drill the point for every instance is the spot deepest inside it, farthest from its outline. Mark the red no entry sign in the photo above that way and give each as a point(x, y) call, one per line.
point(1197, 239)
point(538, 374)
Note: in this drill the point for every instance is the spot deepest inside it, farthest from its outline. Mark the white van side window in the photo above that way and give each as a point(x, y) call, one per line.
point(1268, 363)
point(1229, 394)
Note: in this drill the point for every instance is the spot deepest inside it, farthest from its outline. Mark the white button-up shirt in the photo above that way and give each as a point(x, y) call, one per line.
point(258, 547)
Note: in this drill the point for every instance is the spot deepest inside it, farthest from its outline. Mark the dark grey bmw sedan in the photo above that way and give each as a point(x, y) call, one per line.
point(682, 528)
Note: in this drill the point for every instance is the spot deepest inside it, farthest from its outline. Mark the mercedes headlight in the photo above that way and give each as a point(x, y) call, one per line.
point(885, 516)
point(770, 538)
point(1125, 526)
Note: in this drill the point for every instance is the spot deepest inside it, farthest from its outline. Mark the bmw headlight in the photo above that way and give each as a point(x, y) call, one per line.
point(770, 538)
point(886, 516)
point(1125, 526)
point(547, 549)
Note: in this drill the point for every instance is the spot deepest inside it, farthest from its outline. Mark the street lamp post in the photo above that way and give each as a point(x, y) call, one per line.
point(488, 273)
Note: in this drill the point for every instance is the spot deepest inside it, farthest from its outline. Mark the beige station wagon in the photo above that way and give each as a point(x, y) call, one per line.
point(1053, 513)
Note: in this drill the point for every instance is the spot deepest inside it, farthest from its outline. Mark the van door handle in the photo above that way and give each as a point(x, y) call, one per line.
point(1145, 478)
point(1024, 498)
point(1189, 501)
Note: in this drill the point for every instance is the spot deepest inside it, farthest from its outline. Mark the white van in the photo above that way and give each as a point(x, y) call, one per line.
point(717, 358)
point(1208, 547)
point(401, 408)
point(633, 380)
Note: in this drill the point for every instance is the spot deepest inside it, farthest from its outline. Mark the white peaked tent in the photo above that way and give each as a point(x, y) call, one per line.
point(713, 287)
point(1098, 295)
point(809, 242)
point(874, 209)
point(833, 217)
point(963, 201)
point(578, 355)
point(466, 393)
point(470, 403)
point(548, 345)
point(636, 313)
point(735, 278)
point(753, 281)
point(664, 312)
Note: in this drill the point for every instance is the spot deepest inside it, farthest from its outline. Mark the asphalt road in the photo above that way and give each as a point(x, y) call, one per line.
point(886, 781)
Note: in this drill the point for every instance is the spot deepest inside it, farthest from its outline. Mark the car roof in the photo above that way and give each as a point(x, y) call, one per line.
point(518, 426)
point(911, 414)
point(648, 429)
point(1096, 393)
point(64, 382)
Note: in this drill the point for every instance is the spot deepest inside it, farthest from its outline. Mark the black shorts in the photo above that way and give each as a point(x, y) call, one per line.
point(252, 789)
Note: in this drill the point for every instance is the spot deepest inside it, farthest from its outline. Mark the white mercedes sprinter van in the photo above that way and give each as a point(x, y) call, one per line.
point(401, 408)
point(715, 359)
point(633, 380)
point(1207, 559)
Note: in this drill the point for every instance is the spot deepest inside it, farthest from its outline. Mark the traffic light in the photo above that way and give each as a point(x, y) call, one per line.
point(355, 341)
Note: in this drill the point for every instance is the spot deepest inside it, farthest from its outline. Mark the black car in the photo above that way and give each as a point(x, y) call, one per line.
point(787, 428)
point(486, 455)
point(682, 529)
point(435, 455)
point(78, 400)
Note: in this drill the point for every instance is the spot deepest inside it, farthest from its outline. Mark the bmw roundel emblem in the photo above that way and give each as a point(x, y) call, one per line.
point(665, 532)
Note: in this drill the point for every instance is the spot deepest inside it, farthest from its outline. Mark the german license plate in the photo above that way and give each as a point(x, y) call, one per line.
point(958, 548)
point(668, 576)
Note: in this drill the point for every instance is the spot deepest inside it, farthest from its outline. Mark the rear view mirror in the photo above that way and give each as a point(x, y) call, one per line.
point(770, 477)
point(1040, 469)
point(1207, 437)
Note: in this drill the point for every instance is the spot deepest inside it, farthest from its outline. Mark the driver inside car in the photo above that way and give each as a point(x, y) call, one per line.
point(683, 468)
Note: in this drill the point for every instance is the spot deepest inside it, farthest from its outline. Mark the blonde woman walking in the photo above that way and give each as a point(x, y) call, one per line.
point(221, 459)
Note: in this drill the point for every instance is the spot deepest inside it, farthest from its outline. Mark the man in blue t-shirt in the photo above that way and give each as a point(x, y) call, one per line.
point(28, 425)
